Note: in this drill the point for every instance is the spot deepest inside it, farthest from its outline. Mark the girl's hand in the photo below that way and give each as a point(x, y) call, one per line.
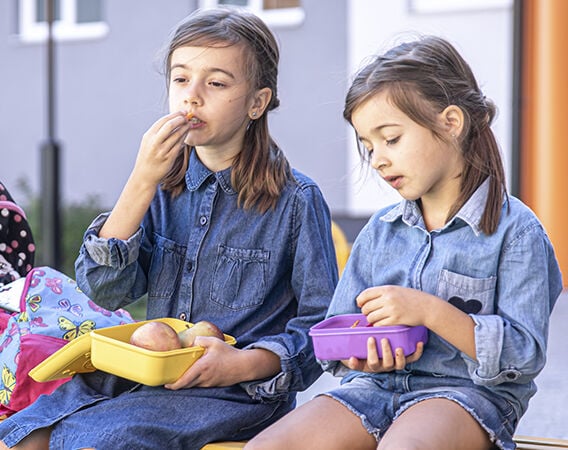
point(217, 367)
point(393, 305)
point(388, 362)
point(159, 147)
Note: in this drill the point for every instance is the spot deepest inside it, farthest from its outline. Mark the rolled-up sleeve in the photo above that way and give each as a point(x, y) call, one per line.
point(511, 345)
point(107, 269)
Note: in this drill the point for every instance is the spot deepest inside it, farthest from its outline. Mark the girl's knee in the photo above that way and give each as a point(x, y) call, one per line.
point(36, 440)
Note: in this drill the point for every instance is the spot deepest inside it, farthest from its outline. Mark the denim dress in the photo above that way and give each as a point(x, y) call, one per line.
point(508, 282)
point(264, 278)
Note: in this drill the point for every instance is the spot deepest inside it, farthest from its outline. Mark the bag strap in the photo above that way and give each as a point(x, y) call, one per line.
point(23, 297)
point(11, 206)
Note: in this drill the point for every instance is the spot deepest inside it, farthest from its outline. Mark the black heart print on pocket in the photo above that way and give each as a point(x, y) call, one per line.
point(471, 306)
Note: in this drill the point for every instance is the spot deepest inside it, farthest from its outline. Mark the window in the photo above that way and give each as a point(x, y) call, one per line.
point(437, 6)
point(273, 12)
point(73, 19)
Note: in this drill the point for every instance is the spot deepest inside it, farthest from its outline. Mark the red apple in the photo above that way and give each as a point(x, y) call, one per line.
point(201, 328)
point(158, 336)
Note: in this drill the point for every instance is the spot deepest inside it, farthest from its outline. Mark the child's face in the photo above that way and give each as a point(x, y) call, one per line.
point(210, 84)
point(407, 156)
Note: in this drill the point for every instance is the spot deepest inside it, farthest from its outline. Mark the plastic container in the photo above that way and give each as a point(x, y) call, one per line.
point(108, 349)
point(111, 352)
point(72, 358)
point(337, 338)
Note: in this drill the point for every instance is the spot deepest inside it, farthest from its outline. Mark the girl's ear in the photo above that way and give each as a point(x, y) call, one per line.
point(453, 120)
point(260, 101)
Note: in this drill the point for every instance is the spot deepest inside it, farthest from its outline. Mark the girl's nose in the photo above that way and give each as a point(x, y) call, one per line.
point(378, 162)
point(192, 96)
point(192, 99)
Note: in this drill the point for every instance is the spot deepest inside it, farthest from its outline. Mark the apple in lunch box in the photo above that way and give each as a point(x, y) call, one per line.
point(158, 336)
point(201, 328)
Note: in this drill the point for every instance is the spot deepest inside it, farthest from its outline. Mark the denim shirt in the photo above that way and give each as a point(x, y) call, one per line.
point(263, 278)
point(507, 282)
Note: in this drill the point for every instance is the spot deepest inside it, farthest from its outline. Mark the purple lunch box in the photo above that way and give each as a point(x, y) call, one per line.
point(336, 338)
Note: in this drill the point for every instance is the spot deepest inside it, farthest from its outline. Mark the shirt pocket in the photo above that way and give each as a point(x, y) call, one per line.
point(471, 295)
point(165, 268)
point(239, 280)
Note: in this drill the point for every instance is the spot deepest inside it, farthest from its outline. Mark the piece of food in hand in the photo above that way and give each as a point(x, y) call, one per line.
point(201, 328)
point(189, 116)
point(158, 336)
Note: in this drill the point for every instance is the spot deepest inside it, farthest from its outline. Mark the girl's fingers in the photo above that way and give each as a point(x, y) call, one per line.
point(175, 138)
point(388, 358)
point(417, 353)
point(400, 359)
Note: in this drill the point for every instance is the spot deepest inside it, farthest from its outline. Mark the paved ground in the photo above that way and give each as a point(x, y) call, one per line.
point(547, 415)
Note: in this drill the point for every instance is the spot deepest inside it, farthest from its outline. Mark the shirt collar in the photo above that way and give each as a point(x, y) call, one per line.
point(197, 174)
point(470, 212)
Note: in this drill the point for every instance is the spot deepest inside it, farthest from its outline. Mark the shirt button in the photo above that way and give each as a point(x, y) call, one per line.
point(189, 266)
point(511, 376)
point(203, 220)
point(183, 316)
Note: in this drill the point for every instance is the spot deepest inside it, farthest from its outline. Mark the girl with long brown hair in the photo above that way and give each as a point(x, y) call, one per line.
point(214, 225)
point(456, 255)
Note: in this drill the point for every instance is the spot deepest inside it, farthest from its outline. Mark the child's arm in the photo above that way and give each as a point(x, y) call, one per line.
point(158, 150)
point(224, 365)
point(395, 305)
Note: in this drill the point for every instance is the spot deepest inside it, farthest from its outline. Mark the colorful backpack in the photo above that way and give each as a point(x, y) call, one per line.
point(52, 312)
point(17, 247)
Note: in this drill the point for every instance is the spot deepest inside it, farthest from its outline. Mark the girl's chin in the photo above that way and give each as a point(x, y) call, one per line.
point(191, 142)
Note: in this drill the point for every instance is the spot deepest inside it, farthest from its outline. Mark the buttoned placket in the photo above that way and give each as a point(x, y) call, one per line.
point(194, 244)
point(417, 268)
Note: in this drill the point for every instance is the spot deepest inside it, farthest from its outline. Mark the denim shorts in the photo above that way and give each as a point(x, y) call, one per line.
point(378, 399)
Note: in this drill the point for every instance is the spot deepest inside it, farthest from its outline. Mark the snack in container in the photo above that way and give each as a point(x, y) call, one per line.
point(108, 349)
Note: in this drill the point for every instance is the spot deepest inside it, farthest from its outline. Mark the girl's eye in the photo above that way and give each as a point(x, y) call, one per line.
point(393, 141)
point(179, 80)
point(216, 84)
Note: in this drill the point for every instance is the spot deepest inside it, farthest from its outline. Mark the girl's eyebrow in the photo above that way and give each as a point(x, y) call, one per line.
point(385, 125)
point(207, 70)
point(379, 128)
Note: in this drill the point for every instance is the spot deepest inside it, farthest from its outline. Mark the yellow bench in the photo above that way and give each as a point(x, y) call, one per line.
point(226, 445)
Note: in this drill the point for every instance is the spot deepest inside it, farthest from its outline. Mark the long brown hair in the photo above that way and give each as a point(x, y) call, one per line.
point(422, 78)
point(260, 170)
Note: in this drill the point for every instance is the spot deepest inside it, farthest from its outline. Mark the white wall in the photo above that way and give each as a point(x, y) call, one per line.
point(482, 30)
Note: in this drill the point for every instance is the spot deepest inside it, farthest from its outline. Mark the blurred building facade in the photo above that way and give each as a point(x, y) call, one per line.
point(110, 87)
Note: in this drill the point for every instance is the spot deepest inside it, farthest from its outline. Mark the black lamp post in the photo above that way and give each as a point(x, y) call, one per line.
point(50, 155)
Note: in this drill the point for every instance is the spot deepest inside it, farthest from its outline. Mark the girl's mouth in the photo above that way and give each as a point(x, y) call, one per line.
point(193, 120)
point(394, 181)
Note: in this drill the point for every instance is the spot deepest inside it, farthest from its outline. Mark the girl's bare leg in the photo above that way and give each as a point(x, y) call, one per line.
point(322, 423)
point(36, 440)
point(436, 424)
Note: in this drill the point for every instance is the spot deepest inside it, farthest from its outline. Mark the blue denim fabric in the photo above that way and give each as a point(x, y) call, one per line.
point(263, 278)
point(508, 282)
point(395, 392)
point(106, 412)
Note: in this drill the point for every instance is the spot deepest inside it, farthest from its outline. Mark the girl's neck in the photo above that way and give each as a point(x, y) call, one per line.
point(214, 159)
point(436, 207)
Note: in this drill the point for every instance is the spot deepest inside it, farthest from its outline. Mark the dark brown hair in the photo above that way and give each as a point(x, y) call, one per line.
point(422, 78)
point(260, 170)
